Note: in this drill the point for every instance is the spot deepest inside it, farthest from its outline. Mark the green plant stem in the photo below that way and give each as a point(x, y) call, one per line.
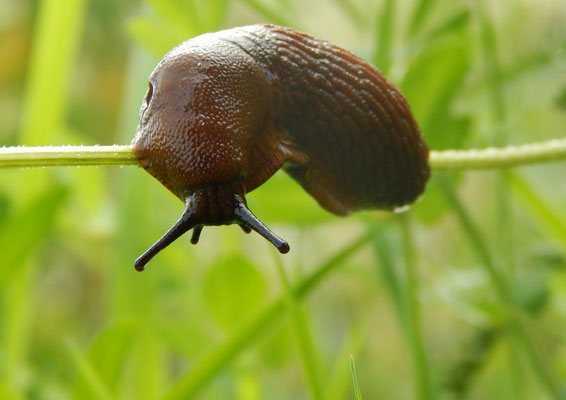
point(413, 326)
point(301, 329)
point(491, 158)
point(447, 160)
point(66, 156)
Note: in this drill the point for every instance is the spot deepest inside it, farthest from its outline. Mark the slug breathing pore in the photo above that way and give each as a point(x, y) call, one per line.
point(224, 111)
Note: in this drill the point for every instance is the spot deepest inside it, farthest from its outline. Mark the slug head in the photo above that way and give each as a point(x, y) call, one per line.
point(205, 107)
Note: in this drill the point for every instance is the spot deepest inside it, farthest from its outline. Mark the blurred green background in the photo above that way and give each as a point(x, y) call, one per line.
point(464, 296)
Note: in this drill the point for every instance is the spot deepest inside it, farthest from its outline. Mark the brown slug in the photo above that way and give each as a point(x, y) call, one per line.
point(224, 111)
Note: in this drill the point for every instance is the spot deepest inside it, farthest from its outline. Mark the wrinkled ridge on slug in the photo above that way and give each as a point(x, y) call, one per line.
point(225, 111)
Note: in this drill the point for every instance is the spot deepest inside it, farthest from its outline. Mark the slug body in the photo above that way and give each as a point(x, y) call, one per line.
point(224, 111)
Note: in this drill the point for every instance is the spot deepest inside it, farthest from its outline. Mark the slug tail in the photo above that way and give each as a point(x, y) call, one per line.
point(245, 218)
point(185, 223)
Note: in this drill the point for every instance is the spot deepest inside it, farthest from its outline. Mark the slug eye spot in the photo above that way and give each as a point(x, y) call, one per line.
point(149, 94)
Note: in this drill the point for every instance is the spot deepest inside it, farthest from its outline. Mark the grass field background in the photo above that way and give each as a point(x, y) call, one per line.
point(463, 296)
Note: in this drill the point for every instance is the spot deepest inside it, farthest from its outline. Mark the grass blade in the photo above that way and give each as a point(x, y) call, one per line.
point(404, 294)
point(357, 390)
point(354, 13)
point(309, 356)
point(454, 23)
point(38, 217)
point(549, 220)
point(413, 319)
point(492, 73)
point(214, 13)
point(275, 15)
point(16, 321)
point(183, 15)
point(384, 36)
point(461, 374)
point(382, 251)
point(420, 16)
point(337, 385)
point(87, 371)
point(17, 278)
point(55, 44)
point(476, 241)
